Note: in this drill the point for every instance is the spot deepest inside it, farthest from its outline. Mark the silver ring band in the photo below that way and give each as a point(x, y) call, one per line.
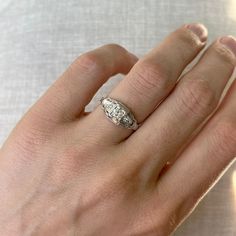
point(118, 113)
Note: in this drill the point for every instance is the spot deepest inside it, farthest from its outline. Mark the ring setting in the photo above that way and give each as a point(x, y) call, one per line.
point(118, 113)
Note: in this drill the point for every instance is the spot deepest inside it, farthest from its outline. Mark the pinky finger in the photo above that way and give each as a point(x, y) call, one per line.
point(203, 162)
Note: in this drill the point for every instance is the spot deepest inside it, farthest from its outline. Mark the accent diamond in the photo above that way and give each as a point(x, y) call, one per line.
point(118, 113)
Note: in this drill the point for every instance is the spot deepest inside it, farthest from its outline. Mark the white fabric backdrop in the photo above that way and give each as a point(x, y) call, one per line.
point(40, 38)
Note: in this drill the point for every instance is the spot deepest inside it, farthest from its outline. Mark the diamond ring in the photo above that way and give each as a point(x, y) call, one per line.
point(118, 113)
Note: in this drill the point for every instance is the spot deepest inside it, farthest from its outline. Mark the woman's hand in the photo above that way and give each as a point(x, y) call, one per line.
point(67, 172)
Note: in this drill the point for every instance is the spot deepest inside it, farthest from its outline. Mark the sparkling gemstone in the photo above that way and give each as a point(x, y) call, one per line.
point(121, 113)
point(127, 121)
point(116, 110)
point(107, 104)
point(114, 119)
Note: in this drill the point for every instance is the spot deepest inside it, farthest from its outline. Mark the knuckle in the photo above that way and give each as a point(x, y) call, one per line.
point(89, 61)
point(197, 97)
point(98, 59)
point(149, 76)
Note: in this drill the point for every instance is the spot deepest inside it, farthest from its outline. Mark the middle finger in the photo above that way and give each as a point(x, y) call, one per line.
point(195, 97)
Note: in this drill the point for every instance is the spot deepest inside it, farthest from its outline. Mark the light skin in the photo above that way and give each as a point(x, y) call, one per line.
point(67, 172)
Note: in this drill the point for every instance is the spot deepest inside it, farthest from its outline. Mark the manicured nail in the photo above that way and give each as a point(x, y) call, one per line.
point(200, 30)
point(230, 43)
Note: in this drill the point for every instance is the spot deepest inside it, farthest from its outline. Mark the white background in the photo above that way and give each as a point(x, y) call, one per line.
point(39, 39)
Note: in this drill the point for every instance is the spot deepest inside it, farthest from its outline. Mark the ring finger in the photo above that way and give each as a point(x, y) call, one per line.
point(152, 78)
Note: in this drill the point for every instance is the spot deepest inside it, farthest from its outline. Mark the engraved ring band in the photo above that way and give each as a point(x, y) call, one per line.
point(118, 113)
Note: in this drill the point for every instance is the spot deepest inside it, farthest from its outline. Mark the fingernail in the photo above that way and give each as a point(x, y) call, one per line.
point(200, 30)
point(230, 43)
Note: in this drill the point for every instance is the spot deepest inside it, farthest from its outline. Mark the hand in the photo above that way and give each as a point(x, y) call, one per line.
point(67, 172)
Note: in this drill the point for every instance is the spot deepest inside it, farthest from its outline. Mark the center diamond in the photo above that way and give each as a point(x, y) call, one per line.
point(117, 112)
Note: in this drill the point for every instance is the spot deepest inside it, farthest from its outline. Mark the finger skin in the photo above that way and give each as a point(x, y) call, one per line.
point(152, 78)
point(203, 162)
point(66, 98)
point(194, 99)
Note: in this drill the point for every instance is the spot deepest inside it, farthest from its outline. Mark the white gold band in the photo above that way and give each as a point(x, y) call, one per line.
point(119, 113)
